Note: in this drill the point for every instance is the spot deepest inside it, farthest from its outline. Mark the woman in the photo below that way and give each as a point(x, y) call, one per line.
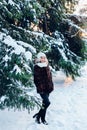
point(44, 85)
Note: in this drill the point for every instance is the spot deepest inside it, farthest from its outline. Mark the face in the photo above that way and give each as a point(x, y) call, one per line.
point(43, 59)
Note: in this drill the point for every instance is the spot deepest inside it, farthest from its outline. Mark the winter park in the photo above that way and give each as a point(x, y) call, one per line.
point(43, 64)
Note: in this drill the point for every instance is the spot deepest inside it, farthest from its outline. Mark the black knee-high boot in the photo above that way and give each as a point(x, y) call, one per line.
point(37, 116)
point(40, 116)
point(43, 112)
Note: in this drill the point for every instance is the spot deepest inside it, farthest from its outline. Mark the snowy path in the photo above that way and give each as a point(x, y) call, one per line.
point(68, 109)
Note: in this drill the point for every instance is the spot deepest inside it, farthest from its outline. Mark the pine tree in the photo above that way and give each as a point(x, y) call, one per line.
point(34, 26)
point(15, 76)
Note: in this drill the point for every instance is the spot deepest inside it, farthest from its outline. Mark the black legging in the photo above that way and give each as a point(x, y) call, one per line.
point(45, 104)
point(45, 98)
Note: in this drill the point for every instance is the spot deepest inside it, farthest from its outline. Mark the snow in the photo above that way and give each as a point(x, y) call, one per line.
point(17, 69)
point(19, 46)
point(2, 98)
point(68, 109)
point(11, 2)
point(9, 41)
point(82, 4)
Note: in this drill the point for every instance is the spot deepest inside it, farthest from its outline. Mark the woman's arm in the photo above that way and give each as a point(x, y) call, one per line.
point(38, 79)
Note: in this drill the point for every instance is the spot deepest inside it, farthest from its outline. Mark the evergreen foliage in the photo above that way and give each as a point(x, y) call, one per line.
point(72, 33)
point(33, 26)
point(15, 78)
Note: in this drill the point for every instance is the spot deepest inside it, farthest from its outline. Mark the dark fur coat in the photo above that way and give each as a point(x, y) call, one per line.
point(43, 79)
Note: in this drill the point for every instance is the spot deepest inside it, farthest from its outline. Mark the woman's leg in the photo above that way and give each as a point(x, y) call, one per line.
point(45, 105)
point(42, 112)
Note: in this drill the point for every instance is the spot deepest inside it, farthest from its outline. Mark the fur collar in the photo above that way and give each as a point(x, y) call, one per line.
point(42, 64)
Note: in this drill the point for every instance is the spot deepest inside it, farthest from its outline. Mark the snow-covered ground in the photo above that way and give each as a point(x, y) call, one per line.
point(68, 109)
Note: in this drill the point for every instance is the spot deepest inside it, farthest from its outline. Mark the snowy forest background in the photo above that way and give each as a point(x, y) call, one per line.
point(30, 26)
